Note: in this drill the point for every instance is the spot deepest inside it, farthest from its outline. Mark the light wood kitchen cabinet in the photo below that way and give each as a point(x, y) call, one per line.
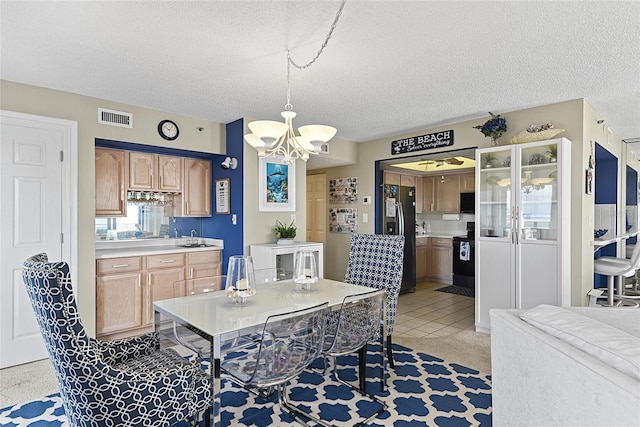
point(127, 287)
point(423, 268)
point(467, 182)
point(119, 295)
point(441, 259)
point(407, 180)
point(111, 176)
point(153, 172)
point(448, 193)
point(391, 178)
point(428, 194)
point(170, 173)
point(162, 272)
point(196, 196)
point(142, 170)
point(204, 264)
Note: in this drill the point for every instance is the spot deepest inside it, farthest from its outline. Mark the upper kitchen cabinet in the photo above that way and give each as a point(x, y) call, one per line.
point(467, 182)
point(110, 182)
point(428, 194)
point(149, 172)
point(391, 178)
point(142, 170)
point(448, 193)
point(170, 173)
point(196, 197)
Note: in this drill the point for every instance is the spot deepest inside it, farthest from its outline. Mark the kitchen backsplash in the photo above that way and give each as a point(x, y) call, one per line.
point(436, 224)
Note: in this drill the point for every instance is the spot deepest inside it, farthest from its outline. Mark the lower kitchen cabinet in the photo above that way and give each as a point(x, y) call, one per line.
point(119, 295)
point(127, 287)
point(441, 259)
point(423, 269)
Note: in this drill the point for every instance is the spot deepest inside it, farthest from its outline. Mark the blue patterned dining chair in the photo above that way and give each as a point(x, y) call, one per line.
point(375, 260)
point(289, 343)
point(123, 383)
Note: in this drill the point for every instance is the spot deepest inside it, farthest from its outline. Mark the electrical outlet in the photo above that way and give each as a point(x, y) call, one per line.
point(365, 217)
point(234, 219)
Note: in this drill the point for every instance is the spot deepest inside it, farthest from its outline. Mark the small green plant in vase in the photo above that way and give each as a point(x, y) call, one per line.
point(552, 152)
point(285, 231)
point(488, 159)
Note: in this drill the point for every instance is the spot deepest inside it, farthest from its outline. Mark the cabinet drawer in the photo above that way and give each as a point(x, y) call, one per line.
point(422, 241)
point(441, 241)
point(203, 257)
point(165, 261)
point(118, 265)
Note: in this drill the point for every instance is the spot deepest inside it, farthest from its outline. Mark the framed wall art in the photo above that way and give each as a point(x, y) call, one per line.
point(277, 185)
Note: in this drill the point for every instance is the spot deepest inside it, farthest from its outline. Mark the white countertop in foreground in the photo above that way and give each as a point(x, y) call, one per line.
point(127, 248)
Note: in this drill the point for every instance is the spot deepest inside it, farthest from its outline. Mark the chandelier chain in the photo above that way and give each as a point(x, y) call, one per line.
point(290, 62)
point(326, 41)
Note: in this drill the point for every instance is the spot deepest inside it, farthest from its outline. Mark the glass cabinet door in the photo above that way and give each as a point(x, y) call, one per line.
point(495, 193)
point(538, 204)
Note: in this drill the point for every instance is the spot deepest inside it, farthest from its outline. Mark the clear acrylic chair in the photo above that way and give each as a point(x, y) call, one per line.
point(357, 322)
point(189, 287)
point(289, 343)
point(269, 275)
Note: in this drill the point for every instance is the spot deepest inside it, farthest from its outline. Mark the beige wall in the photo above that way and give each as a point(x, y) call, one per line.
point(569, 115)
point(84, 110)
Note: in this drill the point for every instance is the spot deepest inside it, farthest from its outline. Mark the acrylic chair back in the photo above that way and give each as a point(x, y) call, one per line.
point(357, 323)
point(289, 343)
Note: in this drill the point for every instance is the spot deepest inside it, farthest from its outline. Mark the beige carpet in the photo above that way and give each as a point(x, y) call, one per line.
point(468, 348)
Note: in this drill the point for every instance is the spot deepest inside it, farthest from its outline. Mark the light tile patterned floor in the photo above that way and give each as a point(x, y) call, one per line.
point(427, 313)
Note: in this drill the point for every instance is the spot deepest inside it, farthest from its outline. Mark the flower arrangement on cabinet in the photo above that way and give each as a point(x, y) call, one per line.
point(493, 128)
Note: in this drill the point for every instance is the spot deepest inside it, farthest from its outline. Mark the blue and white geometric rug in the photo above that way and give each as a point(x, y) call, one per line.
point(422, 390)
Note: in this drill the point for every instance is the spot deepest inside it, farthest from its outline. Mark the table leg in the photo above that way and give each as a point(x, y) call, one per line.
point(214, 371)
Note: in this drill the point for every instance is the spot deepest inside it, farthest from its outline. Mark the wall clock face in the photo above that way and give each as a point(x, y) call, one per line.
point(168, 130)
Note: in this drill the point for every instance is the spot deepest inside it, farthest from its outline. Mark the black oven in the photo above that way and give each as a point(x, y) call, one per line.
point(464, 252)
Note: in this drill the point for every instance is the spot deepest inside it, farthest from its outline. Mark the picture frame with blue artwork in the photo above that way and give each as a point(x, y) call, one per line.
point(277, 185)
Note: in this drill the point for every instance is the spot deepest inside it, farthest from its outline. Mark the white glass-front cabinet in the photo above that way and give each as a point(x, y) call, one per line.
point(523, 236)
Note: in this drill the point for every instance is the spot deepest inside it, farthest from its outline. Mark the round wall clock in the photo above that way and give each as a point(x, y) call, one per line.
point(168, 130)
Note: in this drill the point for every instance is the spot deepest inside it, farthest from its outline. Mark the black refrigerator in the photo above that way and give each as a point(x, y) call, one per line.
point(400, 218)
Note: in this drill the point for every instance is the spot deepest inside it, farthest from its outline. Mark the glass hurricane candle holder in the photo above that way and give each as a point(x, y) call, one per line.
point(305, 272)
point(241, 281)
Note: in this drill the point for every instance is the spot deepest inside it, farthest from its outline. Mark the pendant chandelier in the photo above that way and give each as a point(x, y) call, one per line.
point(271, 138)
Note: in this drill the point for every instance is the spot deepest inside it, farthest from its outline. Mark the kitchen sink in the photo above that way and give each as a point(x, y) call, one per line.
point(199, 245)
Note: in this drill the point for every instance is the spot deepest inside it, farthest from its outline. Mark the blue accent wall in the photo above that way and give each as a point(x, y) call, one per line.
point(606, 190)
point(233, 235)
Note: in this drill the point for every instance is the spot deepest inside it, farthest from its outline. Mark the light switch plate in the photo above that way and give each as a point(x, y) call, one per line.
point(366, 200)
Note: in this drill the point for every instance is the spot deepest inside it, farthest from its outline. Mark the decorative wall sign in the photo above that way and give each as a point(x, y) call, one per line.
point(222, 196)
point(422, 142)
point(343, 220)
point(277, 185)
point(343, 190)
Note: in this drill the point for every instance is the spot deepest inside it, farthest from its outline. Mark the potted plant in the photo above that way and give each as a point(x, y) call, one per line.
point(552, 152)
point(285, 232)
point(488, 159)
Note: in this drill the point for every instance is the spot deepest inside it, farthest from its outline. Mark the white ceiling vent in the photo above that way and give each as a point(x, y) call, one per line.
point(115, 118)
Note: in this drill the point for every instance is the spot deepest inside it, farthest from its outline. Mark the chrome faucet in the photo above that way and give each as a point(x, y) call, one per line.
point(175, 232)
point(193, 234)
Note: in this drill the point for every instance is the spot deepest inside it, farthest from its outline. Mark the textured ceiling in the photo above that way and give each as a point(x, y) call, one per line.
point(391, 66)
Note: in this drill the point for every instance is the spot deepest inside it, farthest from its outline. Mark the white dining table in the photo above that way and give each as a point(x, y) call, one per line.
point(216, 318)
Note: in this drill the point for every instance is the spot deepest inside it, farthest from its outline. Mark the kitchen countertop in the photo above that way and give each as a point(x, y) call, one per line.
point(128, 248)
point(443, 235)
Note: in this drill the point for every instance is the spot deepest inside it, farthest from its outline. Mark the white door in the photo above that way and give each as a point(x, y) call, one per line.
point(35, 216)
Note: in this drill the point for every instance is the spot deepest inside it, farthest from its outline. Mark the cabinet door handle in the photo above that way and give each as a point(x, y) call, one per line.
point(119, 265)
point(166, 261)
